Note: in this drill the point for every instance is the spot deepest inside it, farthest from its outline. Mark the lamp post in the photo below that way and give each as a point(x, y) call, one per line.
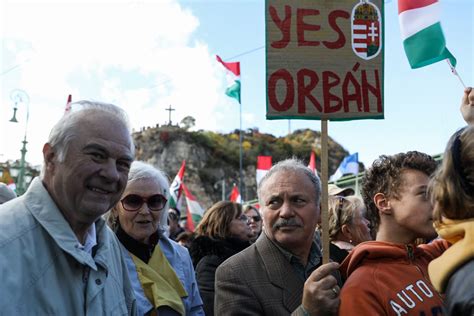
point(20, 97)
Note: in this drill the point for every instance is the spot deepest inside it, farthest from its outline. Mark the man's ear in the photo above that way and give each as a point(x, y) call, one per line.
point(382, 203)
point(49, 156)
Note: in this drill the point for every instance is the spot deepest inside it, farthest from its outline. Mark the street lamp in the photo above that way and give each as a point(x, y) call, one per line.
point(20, 97)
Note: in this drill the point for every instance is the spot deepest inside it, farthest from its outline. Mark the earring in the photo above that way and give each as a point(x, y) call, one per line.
point(350, 241)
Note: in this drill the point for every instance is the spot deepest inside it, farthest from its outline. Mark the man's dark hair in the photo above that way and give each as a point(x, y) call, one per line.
point(385, 176)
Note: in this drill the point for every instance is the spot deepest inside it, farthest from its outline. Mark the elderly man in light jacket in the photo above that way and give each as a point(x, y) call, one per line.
point(57, 256)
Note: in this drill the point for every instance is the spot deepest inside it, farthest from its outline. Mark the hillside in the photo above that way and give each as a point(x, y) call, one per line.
point(212, 157)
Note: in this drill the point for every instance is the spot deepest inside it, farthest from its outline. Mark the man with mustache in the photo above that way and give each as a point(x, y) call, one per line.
point(281, 273)
point(57, 256)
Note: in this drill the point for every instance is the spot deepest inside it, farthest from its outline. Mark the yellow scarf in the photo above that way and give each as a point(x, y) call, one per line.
point(460, 233)
point(160, 283)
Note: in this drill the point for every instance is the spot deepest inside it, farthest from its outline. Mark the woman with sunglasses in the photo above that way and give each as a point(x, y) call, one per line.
point(161, 271)
point(255, 221)
point(222, 232)
point(348, 225)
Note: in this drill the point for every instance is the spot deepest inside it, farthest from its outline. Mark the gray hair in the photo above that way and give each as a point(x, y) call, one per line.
point(293, 165)
point(141, 170)
point(64, 130)
point(6, 194)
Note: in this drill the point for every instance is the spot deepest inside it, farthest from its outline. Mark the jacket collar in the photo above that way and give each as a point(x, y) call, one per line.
point(280, 272)
point(40, 204)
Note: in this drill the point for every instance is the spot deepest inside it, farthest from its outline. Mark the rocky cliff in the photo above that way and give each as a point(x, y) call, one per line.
point(212, 158)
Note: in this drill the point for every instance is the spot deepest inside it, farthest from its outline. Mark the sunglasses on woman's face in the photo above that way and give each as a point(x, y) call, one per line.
point(134, 202)
point(255, 218)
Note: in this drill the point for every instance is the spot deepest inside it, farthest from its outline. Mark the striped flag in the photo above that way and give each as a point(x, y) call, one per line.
point(421, 32)
point(233, 75)
point(264, 163)
point(195, 212)
point(176, 188)
point(235, 195)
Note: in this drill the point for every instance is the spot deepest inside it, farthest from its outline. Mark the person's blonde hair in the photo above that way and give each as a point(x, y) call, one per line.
point(216, 220)
point(452, 186)
point(342, 212)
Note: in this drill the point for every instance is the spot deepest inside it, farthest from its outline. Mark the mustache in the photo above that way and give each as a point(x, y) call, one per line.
point(282, 222)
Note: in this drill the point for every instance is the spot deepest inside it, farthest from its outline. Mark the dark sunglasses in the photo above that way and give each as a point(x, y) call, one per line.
point(134, 202)
point(255, 218)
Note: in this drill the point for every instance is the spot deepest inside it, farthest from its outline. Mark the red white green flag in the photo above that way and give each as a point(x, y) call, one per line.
point(195, 211)
point(233, 77)
point(176, 188)
point(235, 195)
point(421, 32)
point(264, 163)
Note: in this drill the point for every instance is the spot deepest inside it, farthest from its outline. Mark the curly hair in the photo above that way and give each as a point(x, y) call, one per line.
point(452, 187)
point(385, 176)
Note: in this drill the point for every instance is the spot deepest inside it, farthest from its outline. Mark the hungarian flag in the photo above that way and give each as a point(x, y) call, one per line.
point(176, 188)
point(194, 212)
point(235, 195)
point(264, 163)
point(68, 104)
point(421, 32)
point(233, 76)
point(312, 162)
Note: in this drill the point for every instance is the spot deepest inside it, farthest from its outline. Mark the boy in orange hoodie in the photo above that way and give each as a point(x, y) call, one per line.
point(389, 276)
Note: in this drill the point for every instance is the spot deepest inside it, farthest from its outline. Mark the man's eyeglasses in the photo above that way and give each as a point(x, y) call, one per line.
point(134, 202)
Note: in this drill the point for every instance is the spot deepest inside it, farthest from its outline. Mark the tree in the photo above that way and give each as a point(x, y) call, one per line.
point(188, 122)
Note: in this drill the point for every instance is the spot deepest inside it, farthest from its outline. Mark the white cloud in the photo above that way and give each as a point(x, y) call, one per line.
point(141, 55)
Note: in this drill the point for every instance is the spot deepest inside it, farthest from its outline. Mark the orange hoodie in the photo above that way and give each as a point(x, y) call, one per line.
point(384, 278)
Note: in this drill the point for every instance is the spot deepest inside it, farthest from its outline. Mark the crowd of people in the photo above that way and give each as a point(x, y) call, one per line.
point(94, 235)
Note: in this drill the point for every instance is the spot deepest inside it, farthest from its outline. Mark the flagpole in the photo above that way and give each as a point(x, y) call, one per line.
point(240, 151)
point(324, 185)
point(453, 70)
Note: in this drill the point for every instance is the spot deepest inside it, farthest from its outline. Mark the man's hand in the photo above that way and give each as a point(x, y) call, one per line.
point(321, 292)
point(467, 105)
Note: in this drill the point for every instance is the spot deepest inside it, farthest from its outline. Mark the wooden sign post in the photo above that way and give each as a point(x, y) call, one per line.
point(324, 61)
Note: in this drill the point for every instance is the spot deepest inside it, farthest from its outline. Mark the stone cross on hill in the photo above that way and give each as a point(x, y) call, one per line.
point(169, 110)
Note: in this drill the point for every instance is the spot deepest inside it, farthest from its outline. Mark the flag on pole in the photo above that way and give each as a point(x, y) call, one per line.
point(235, 195)
point(312, 162)
point(176, 188)
point(264, 163)
point(68, 104)
point(421, 32)
point(349, 164)
point(233, 72)
point(194, 210)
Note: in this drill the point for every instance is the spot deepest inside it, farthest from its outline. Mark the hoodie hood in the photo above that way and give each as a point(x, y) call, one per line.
point(378, 252)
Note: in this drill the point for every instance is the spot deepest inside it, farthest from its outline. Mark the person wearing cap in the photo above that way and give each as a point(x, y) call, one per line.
point(334, 190)
point(6, 194)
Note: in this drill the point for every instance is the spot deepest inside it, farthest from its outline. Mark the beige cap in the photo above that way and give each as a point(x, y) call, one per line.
point(335, 190)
